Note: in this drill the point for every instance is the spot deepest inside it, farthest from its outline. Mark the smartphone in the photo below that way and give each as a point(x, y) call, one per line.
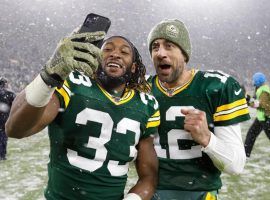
point(94, 22)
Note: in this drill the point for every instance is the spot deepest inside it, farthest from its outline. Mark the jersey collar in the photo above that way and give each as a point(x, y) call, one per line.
point(127, 96)
point(173, 91)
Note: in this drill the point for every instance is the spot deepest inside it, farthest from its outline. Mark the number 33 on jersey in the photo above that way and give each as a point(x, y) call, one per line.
point(95, 135)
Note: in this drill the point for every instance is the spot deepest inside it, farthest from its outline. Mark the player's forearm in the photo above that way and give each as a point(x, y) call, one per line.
point(145, 187)
point(22, 117)
point(226, 149)
point(29, 108)
point(147, 170)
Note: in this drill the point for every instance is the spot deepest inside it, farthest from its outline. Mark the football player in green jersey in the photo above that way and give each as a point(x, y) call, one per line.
point(98, 123)
point(199, 135)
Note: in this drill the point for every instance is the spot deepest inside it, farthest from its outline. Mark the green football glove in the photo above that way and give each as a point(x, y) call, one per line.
point(73, 53)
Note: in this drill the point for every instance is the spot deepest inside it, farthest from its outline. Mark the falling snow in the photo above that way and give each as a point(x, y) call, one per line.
point(226, 35)
point(232, 36)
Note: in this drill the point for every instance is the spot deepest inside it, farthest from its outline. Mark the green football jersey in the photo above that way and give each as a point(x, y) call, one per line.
point(182, 164)
point(93, 139)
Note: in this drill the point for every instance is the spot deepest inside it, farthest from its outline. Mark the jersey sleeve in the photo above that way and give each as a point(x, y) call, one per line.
point(64, 94)
point(232, 106)
point(153, 118)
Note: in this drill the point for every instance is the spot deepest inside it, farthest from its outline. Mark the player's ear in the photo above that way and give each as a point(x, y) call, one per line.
point(133, 67)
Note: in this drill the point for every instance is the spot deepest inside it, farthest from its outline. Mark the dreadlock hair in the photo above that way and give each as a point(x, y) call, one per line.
point(137, 80)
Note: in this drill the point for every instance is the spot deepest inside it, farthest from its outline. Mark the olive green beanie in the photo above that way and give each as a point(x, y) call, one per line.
point(174, 31)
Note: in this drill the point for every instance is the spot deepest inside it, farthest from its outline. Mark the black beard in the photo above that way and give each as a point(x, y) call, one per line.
point(109, 82)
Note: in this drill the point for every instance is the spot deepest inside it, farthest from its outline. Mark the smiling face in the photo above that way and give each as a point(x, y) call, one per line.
point(117, 57)
point(169, 62)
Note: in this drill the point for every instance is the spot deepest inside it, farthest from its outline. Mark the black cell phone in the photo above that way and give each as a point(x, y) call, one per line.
point(94, 22)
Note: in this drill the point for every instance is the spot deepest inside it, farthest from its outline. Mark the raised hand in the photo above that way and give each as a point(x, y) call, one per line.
point(73, 53)
point(196, 124)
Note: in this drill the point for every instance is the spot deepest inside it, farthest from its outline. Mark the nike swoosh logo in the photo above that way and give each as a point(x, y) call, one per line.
point(237, 92)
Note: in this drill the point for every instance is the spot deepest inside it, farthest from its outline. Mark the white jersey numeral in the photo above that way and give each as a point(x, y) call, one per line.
point(99, 143)
point(145, 101)
point(173, 136)
point(81, 79)
point(218, 74)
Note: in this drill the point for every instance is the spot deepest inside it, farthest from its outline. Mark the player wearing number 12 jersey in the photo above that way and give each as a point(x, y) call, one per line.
point(97, 125)
point(199, 135)
point(206, 91)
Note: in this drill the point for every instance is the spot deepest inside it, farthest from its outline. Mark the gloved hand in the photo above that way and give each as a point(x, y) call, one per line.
point(73, 53)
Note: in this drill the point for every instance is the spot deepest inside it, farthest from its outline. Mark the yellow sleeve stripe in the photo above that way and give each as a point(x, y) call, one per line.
point(210, 196)
point(154, 120)
point(231, 105)
point(155, 117)
point(231, 115)
point(65, 93)
point(232, 110)
point(157, 114)
point(153, 124)
point(66, 83)
point(225, 112)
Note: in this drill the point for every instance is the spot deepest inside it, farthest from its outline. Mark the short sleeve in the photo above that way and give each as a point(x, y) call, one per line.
point(232, 106)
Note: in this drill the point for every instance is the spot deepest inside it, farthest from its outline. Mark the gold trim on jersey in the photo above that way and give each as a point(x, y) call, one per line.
point(173, 91)
point(210, 196)
point(128, 94)
point(65, 93)
point(154, 120)
point(232, 110)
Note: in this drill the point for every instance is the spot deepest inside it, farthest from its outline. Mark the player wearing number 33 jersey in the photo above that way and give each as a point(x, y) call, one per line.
point(96, 125)
point(95, 138)
point(182, 164)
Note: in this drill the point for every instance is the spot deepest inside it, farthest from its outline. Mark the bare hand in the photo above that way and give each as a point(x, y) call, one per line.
point(196, 124)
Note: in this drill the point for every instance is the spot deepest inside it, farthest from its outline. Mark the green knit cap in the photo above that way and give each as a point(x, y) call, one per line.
point(174, 31)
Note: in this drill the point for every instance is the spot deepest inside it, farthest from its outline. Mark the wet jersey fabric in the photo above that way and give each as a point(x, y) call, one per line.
point(190, 195)
point(94, 138)
point(182, 164)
